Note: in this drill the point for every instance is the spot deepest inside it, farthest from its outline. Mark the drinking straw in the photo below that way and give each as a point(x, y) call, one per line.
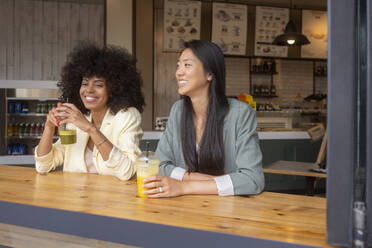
point(147, 151)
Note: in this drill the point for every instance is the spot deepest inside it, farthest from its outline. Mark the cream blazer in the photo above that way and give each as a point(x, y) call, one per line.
point(124, 132)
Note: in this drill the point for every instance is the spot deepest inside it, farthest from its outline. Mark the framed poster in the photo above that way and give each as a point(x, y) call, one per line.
point(229, 28)
point(315, 27)
point(181, 23)
point(270, 22)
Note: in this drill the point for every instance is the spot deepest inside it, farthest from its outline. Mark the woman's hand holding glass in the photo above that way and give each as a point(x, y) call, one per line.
point(161, 186)
point(52, 120)
point(69, 113)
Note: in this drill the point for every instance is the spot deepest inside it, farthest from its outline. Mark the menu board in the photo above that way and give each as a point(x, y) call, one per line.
point(229, 29)
point(315, 27)
point(270, 22)
point(181, 23)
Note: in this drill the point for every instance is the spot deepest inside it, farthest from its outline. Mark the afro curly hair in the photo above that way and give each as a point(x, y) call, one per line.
point(115, 64)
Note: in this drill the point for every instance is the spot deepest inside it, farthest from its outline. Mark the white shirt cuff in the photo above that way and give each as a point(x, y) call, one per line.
point(178, 173)
point(43, 156)
point(224, 185)
point(114, 155)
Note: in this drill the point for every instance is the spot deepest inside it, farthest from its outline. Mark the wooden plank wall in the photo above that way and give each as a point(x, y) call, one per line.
point(38, 35)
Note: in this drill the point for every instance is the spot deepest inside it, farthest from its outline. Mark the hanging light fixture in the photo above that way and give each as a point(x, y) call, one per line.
point(290, 36)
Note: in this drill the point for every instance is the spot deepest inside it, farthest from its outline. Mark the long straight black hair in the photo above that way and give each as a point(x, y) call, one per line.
point(211, 159)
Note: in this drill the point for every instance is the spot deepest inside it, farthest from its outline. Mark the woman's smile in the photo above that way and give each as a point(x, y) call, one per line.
point(182, 83)
point(91, 99)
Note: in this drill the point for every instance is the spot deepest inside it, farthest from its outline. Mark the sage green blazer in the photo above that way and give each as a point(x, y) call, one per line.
point(243, 157)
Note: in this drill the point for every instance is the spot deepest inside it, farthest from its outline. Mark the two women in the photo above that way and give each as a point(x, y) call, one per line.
point(104, 95)
point(210, 145)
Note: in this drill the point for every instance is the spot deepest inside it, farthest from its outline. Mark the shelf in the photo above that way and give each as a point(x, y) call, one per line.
point(268, 96)
point(320, 75)
point(273, 57)
point(28, 114)
point(32, 99)
point(27, 137)
point(263, 73)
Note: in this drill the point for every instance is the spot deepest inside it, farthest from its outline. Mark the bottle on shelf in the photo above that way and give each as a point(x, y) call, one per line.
point(32, 129)
point(22, 149)
point(273, 90)
point(15, 129)
point(10, 129)
point(25, 109)
point(18, 108)
point(38, 130)
point(21, 129)
point(265, 67)
point(11, 107)
point(26, 130)
point(44, 108)
point(262, 90)
point(38, 108)
point(273, 66)
point(9, 150)
point(256, 90)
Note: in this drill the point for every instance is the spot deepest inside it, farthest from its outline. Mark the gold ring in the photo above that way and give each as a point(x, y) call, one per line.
point(160, 189)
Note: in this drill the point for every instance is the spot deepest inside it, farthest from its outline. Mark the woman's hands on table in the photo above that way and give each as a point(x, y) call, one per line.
point(161, 186)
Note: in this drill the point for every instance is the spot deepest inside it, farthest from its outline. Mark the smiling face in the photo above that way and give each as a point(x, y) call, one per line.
point(191, 77)
point(93, 93)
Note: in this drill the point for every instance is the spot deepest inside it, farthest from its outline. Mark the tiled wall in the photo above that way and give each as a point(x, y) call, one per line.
point(237, 76)
point(294, 80)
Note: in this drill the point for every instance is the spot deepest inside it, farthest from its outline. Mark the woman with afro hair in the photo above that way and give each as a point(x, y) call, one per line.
point(101, 100)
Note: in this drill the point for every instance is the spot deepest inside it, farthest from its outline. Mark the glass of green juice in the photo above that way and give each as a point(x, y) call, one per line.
point(67, 136)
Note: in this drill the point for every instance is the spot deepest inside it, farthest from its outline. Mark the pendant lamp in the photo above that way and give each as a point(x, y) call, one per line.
point(290, 36)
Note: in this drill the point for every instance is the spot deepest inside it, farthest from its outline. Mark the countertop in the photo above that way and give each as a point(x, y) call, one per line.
point(105, 208)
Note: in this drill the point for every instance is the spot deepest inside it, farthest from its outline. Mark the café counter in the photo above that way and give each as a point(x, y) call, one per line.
point(267, 134)
point(105, 208)
point(274, 137)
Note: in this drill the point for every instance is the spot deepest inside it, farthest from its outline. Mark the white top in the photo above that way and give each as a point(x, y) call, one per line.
point(91, 168)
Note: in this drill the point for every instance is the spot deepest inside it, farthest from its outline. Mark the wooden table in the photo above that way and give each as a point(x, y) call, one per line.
point(295, 168)
point(102, 207)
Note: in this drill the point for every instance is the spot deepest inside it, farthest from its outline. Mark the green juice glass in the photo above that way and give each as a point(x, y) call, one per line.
point(67, 136)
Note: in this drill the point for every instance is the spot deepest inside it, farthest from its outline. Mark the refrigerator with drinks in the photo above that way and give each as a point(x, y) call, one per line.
point(25, 105)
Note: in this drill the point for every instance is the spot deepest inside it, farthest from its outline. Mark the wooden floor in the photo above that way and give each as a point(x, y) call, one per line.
point(281, 217)
point(22, 237)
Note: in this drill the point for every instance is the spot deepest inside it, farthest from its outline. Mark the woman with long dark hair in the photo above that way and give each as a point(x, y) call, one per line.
point(210, 145)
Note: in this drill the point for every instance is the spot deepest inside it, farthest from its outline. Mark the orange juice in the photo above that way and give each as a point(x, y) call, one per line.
point(146, 167)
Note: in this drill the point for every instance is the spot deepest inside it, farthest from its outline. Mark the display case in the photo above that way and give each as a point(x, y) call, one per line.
point(25, 107)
